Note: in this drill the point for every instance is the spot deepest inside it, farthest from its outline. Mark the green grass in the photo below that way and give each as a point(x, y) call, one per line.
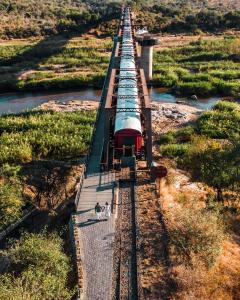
point(36, 135)
point(174, 150)
point(223, 122)
point(203, 68)
point(42, 134)
point(54, 63)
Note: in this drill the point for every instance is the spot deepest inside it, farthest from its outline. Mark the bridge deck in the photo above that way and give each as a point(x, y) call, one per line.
point(97, 237)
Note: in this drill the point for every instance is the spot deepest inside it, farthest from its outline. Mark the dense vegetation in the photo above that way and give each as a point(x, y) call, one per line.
point(61, 62)
point(24, 18)
point(33, 18)
point(37, 268)
point(41, 134)
point(202, 68)
point(211, 150)
point(188, 16)
point(54, 63)
point(33, 136)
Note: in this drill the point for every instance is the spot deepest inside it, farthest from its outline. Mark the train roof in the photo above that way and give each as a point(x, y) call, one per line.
point(127, 95)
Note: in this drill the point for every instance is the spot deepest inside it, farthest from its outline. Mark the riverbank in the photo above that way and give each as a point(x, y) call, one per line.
point(206, 66)
point(165, 116)
point(70, 106)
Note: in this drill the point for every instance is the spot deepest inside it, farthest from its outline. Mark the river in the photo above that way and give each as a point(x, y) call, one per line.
point(18, 102)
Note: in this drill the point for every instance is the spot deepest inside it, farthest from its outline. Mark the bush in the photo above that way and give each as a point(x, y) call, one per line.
point(168, 138)
point(174, 150)
point(228, 88)
point(182, 135)
point(40, 269)
point(195, 233)
point(226, 106)
point(223, 122)
point(185, 134)
point(200, 88)
point(11, 203)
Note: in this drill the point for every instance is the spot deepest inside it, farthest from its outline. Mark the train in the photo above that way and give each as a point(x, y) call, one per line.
point(128, 128)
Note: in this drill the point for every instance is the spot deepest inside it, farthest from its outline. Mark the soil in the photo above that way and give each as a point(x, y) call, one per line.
point(178, 40)
point(161, 276)
point(48, 183)
point(170, 116)
point(69, 106)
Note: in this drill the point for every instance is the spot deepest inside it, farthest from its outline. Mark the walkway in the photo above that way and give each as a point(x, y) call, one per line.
point(96, 237)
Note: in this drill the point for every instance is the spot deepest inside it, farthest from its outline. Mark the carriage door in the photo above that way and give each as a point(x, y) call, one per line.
point(128, 146)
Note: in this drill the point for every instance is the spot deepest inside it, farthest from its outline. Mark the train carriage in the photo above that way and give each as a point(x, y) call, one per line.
point(128, 129)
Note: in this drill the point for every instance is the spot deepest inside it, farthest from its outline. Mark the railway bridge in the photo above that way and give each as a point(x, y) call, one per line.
point(106, 250)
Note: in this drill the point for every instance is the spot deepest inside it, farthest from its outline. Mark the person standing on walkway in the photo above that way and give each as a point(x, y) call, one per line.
point(98, 210)
point(107, 210)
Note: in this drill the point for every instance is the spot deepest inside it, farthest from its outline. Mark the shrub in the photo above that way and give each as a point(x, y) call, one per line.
point(41, 269)
point(195, 232)
point(11, 203)
point(174, 150)
point(182, 135)
point(223, 122)
point(185, 134)
point(226, 106)
point(168, 138)
point(200, 88)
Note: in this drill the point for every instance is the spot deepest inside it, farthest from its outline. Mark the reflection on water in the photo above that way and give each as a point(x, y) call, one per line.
point(157, 94)
point(18, 102)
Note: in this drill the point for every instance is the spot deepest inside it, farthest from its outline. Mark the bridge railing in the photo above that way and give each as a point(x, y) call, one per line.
point(99, 111)
point(79, 186)
point(102, 102)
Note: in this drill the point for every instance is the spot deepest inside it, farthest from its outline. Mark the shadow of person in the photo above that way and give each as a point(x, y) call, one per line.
point(88, 222)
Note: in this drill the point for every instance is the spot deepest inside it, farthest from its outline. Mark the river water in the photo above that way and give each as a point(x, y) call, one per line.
point(18, 102)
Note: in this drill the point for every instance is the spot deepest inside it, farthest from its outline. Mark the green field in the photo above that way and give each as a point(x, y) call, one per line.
point(36, 135)
point(53, 63)
point(203, 68)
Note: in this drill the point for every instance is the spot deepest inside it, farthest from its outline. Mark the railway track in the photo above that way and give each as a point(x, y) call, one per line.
point(127, 272)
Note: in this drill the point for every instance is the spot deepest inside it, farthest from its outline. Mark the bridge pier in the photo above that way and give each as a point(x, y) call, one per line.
point(147, 42)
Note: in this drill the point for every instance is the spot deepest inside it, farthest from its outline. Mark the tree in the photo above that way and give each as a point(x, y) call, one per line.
point(215, 164)
point(40, 269)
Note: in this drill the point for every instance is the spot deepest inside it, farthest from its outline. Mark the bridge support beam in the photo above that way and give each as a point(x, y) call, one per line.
point(147, 43)
point(148, 128)
point(109, 115)
point(147, 61)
